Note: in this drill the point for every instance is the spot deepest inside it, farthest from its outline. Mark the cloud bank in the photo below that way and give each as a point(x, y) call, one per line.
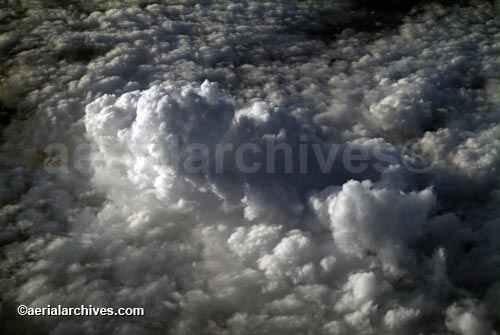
point(390, 250)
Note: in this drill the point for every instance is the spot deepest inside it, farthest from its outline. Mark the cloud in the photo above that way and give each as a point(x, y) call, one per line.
point(405, 248)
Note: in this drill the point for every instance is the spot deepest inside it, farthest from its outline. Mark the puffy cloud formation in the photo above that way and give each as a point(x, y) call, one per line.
point(95, 208)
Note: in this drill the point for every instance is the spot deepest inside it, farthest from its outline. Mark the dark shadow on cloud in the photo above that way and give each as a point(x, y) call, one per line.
point(371, 15)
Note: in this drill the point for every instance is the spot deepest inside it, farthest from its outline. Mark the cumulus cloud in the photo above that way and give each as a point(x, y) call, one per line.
point(144, 95)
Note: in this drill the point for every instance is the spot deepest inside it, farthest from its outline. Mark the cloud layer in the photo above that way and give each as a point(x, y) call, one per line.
point(393, 250)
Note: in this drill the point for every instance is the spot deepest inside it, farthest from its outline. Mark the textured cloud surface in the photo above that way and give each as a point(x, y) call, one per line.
point(399, 249)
